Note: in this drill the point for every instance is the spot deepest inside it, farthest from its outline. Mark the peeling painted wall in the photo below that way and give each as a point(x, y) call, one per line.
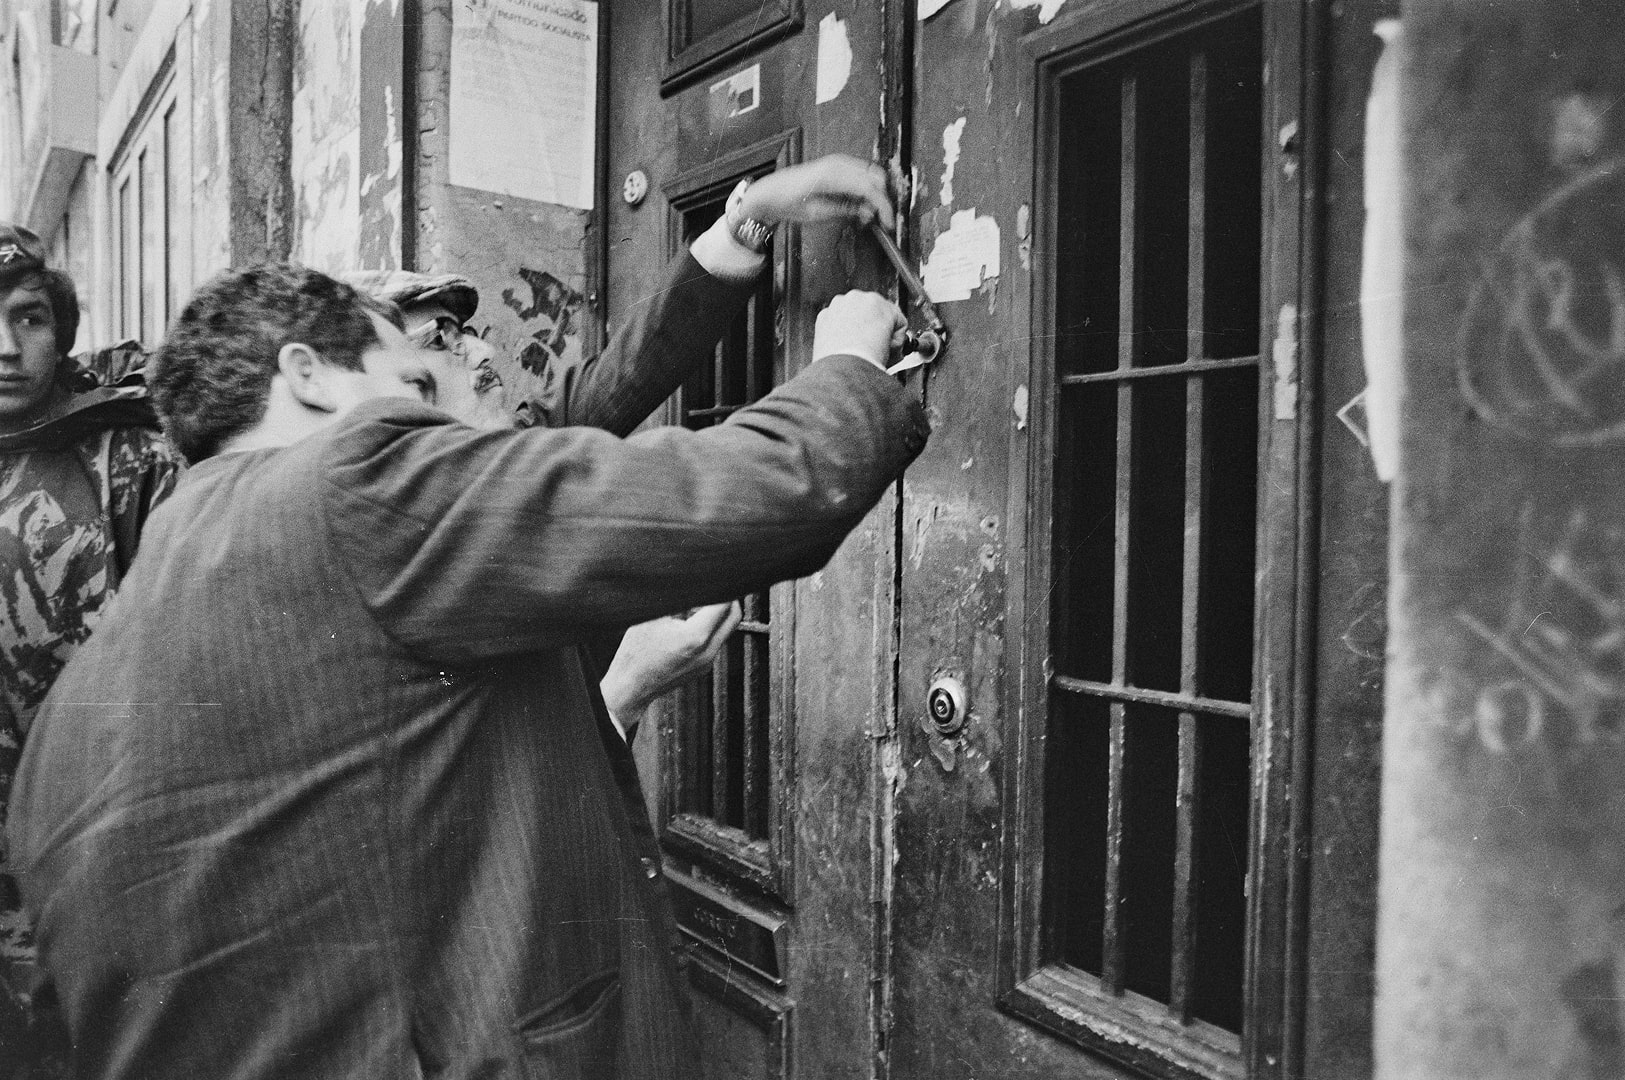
point(327, 133)
point(527, 258)
point(348, 143)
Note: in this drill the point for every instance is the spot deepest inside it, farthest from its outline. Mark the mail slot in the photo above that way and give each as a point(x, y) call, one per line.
point(744, 934)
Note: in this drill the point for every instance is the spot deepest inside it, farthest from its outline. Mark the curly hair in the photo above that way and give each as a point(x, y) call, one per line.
point(211, 377)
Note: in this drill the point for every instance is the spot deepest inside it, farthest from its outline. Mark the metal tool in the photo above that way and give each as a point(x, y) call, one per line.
point(931, 342)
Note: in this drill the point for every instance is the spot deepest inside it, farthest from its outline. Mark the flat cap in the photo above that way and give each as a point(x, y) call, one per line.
point(403, 287)
point(20, 250)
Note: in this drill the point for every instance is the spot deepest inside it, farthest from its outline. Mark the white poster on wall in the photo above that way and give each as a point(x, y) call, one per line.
point(524, 78)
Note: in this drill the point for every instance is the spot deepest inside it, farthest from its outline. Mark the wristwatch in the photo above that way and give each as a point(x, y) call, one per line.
point(748, 232)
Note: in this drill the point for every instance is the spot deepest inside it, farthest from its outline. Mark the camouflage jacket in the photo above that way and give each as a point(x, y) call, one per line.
point(74, 494)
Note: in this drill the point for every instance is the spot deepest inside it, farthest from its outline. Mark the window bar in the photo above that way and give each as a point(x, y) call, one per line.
point(754, 772)
point(1112, 959)
point(722, 708)
point(719, 375)
point(694, 743)
point(753, 315)
point(1191, 367)
point(1167, 699)
point(715, 413)
point(1181, 979)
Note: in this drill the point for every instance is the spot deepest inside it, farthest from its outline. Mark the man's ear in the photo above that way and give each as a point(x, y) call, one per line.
point(307, 378)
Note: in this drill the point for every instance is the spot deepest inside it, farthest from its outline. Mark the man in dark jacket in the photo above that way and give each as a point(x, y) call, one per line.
point(650, 659)
point(329, 794)
point(81, 467)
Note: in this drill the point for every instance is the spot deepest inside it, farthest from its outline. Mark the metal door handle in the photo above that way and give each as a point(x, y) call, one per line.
point(931, 342)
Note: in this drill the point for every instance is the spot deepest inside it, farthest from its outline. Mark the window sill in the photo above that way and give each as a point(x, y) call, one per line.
point(1128, 1029)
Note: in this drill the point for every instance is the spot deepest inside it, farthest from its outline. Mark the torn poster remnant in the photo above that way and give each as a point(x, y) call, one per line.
point(834, 58)
point(1046, 8)
point(928, 8)
point(950, 158)
point(963, 258)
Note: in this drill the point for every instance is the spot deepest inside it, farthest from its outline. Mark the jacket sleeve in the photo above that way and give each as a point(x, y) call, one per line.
point(142, 471)
point(660, 341)
point(472, 545)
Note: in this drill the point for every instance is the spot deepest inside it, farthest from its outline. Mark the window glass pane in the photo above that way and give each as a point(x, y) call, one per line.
point(126, 251)
point(1162, 207)
point(1085, 523)
point(1222, 835)
point(1076, 755)
point(1225, 621)
point(1150, 827)
point(1156, 533)
point(167, 238)
point(1234, 246)
point(1088, 223)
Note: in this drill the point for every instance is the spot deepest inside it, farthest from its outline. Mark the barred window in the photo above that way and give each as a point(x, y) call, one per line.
point(1146, 792)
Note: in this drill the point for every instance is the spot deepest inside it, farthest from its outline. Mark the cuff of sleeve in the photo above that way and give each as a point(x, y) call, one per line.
point(723, 257)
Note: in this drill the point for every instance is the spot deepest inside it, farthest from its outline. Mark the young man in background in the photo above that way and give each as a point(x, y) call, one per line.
point(81, 467)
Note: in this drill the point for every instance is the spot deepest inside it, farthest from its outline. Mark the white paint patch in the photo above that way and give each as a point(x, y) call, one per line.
point(1382, 262)
point(1046, 8)
point(834, 58)
point(950, 158)
point(1579, 127)
point(929, 8)
point(1285, 355)
point(963, 259)
point(1019, 407)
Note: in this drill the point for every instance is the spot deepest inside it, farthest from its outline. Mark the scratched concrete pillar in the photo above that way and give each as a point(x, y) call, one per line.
point(1502, 895)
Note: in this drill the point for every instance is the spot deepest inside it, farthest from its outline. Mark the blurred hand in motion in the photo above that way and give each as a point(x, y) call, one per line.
point(832, 188)
point(657, 656)
point(859, 323)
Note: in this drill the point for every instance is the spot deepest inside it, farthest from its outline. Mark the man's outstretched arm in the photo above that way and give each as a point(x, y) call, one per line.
point(665, 335)
point(474, 545)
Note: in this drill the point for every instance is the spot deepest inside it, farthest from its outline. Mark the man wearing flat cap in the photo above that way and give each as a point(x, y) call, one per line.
point(648, 660)
point(81, 467)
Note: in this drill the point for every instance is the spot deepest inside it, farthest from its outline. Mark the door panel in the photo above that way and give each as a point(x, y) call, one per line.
point(763, 770)
point(1088, 869)
point(1098, 544)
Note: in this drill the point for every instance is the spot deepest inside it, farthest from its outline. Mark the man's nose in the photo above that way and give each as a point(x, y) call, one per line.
point(9, 349)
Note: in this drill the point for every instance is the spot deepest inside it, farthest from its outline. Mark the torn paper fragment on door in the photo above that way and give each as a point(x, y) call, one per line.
point(928, 8)
point(950, 157)
point(834, 58)
point(1046, 8)
point(1382, 270)
point(963, 258)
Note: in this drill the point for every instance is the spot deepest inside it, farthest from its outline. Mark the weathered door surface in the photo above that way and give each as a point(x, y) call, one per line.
point(1003, 791)
point(764, 804)
point(1097, 584)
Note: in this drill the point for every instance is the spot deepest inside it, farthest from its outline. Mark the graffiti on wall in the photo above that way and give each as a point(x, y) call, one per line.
point(1542, 344)
point(551, 314)
point(1557, 670)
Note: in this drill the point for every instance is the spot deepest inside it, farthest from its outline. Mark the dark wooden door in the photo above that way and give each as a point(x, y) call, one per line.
point(761, 776)
point(1091, 857)
point(1004, 790)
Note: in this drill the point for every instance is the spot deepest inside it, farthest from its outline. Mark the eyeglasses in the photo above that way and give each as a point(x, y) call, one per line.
point(442, 334)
